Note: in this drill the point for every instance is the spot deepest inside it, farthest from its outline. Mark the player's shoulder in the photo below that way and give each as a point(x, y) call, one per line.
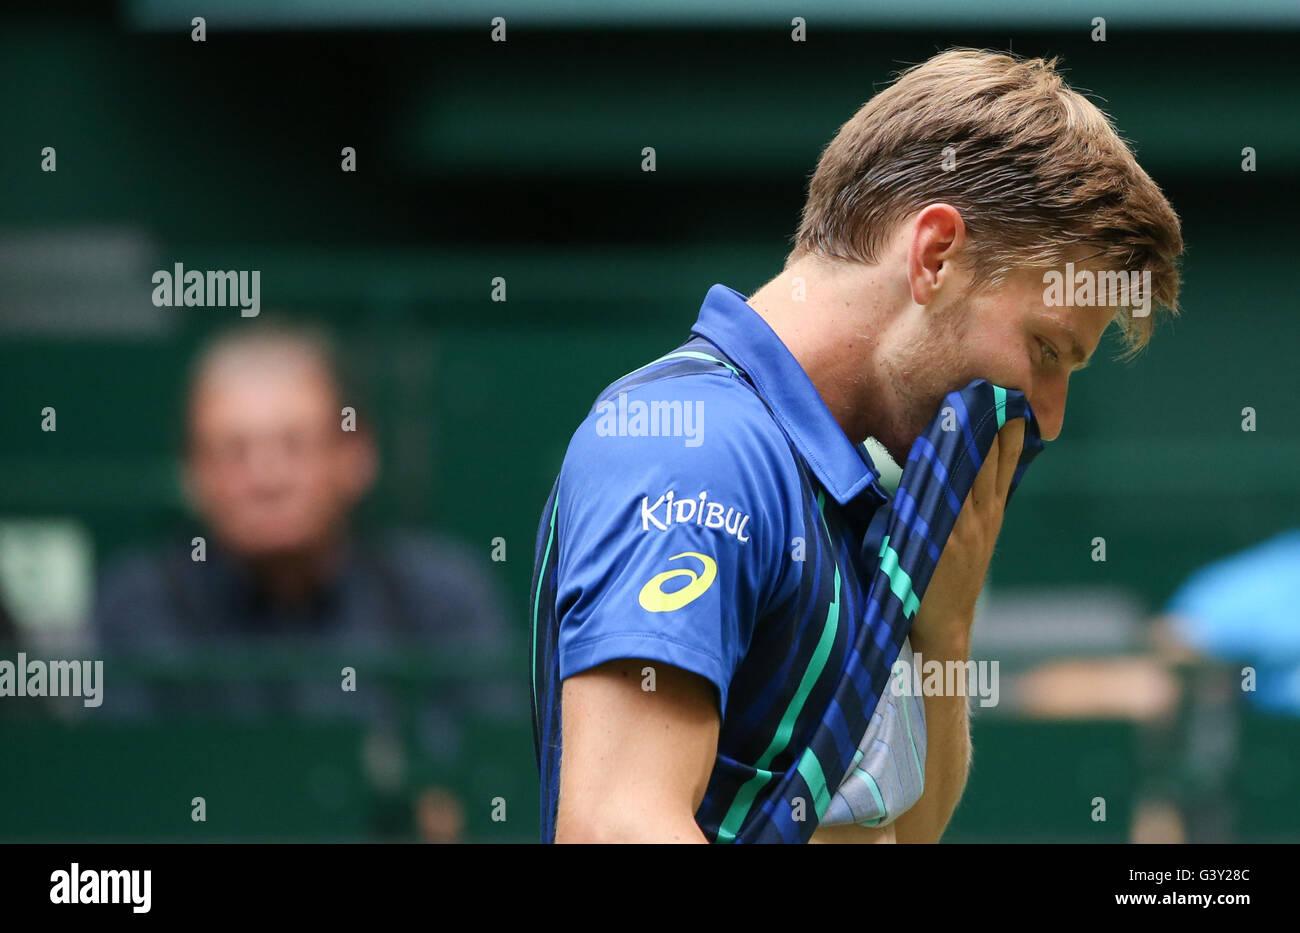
point(702, 419)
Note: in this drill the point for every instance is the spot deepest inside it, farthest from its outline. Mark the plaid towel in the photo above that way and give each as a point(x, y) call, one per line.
point(888, 771)
point(905, 540)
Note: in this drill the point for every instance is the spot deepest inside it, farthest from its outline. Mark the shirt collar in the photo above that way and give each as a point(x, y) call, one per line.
point(727, 321)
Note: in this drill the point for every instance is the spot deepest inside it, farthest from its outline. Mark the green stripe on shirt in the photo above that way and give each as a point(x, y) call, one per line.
point(740, 807)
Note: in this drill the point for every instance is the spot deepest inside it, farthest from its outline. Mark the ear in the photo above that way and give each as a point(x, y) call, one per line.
point(937, 234)
point(361, 464)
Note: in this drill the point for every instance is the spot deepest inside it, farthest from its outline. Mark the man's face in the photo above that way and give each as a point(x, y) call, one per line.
point(1007, 335)
point(270, 468)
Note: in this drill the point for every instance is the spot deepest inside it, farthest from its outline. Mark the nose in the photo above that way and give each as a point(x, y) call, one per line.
point(269, 466)
point(1048, 403)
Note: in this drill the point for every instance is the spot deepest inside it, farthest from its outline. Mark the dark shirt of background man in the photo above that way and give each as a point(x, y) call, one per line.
point(390, 594)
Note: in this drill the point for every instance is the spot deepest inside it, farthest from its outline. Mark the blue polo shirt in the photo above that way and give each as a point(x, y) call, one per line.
point(708, 515)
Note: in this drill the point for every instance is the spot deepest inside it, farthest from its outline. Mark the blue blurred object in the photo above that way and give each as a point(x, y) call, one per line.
point(1247, 607)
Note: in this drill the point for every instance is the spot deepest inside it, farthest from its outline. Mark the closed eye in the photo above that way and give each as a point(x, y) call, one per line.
point(1049, 352)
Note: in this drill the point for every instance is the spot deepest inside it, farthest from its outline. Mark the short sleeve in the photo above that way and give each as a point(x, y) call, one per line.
point(672, 544)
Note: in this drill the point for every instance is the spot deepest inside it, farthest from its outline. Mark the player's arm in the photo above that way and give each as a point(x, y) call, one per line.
point(947, 752)
point(941, 632)
point(636, 761)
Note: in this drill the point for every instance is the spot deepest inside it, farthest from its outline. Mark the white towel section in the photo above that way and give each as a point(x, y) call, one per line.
point(888, 774)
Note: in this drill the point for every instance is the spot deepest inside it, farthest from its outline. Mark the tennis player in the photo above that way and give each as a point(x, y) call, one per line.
point(701, 568)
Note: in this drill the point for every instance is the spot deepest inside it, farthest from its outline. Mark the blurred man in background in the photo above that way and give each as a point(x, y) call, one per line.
point(276, 460)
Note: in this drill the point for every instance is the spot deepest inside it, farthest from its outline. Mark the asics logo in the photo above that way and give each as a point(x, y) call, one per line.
point(654, 599)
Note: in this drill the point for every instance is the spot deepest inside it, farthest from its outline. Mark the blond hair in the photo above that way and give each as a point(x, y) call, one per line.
point(1036, 170)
